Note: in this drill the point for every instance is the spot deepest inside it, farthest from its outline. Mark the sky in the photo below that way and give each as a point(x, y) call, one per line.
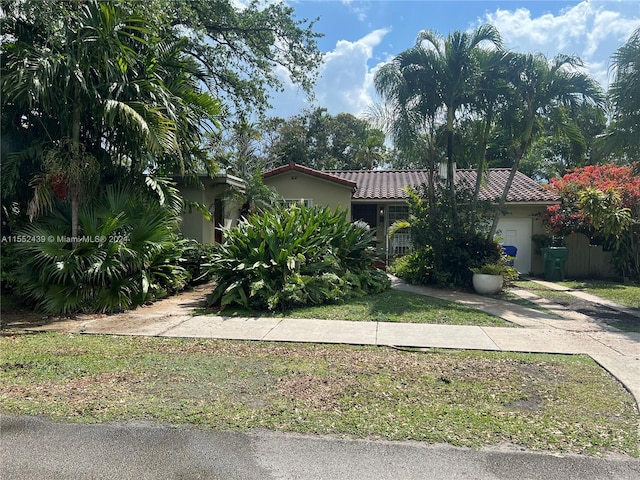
point(360, 36)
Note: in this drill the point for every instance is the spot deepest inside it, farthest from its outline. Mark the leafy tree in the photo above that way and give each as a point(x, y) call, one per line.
point(555, 152)
point(319, 140)
point(100, 92)
point(243, 48)
point(603, 202)
point(122, 83)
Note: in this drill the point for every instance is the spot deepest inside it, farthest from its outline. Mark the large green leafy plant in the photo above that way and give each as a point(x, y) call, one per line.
point(447, 246)
point(292, 256)
point(126, 254)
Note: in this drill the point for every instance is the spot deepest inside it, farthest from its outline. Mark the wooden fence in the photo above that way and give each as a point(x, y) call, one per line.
point(585, 260)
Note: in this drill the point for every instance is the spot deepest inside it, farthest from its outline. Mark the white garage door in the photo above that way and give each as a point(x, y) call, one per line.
point(517, 232)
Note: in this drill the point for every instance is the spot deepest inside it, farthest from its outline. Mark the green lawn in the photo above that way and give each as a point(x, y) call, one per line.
point(623, 294)
point(553, 403)
point(390, 306)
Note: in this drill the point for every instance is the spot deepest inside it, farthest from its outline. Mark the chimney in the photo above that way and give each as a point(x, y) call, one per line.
point(442, 170)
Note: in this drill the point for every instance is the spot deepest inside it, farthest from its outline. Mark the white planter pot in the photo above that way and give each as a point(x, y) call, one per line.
point(487, 284)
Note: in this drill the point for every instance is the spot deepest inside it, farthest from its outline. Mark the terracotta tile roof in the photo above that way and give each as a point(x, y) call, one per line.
point(310, 171)
point(390, 184)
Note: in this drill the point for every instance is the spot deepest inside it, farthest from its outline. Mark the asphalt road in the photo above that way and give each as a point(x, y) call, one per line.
point(35, 448)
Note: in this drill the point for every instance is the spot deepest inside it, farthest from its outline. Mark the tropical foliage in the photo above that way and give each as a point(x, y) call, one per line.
point(294, 256)
point(322, 141)
point(622, 139)
point(127, 254)
point(445, 251)
point(131, 88)
point(97, 93)
point(122, 93)
point(437, 76)
point(602, 202)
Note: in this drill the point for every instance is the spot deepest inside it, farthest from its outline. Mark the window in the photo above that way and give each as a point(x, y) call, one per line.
point(398, 212)
point(307, 202)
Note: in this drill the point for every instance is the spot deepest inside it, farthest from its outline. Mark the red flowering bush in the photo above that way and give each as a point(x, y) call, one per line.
point(568, 217)
point(603, 202)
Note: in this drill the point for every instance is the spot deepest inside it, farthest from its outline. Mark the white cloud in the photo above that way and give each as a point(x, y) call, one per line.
point(358, 10)
point(592, 30)
point(345, 82)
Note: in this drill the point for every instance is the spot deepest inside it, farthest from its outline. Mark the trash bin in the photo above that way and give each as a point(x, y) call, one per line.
point(554, 258)
point(510, 251)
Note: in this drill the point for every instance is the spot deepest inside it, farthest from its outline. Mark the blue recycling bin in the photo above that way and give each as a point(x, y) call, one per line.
point(511, 251)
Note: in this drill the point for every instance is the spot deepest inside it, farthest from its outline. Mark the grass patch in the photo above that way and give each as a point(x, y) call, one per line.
point(389, 306)
point(556, 296)
point(510, 297)
point(540, 402)
point(627, 295)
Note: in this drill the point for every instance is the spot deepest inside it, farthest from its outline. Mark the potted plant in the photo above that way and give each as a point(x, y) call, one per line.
point(489, 278)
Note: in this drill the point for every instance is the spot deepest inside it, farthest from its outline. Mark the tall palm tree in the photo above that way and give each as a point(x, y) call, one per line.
point(452, 70)
point(625, 100)
point(436, 76)
point(491, 93)
point(540, 87)
point(109, 92)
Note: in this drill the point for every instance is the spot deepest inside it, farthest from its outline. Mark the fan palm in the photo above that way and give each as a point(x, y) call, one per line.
point(127, 256)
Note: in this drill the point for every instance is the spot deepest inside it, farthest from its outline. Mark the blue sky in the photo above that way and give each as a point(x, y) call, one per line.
point(360, 36)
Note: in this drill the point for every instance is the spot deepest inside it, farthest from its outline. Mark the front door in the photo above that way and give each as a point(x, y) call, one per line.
point(517, 232)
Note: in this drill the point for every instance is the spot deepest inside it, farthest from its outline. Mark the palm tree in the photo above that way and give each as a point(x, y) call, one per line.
point(540, 87)
point(436, 75)
point(492, 91)
point(453, 69)
point(624, 134)
point(110, 94)
point(370, 153)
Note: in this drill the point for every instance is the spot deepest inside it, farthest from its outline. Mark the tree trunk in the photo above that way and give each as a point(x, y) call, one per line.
point(524, 146)
point(75, 158)
point(481, 168)
point(450, 171)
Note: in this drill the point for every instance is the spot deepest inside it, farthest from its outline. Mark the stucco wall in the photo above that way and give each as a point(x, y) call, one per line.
point(296, 185)
point(194, 225)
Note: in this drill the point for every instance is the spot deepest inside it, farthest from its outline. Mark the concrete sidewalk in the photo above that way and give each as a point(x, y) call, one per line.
point(616, 351)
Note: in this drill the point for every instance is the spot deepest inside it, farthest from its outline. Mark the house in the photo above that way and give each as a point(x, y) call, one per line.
point(379, 198)
point(216, 196)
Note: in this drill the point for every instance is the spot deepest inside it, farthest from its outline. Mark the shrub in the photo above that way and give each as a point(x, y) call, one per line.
point(448, 241)
point(416, 267)
point(9, 262)
point(126, 255)
point(457, 255)
point(294, 256)
point(195, 258)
